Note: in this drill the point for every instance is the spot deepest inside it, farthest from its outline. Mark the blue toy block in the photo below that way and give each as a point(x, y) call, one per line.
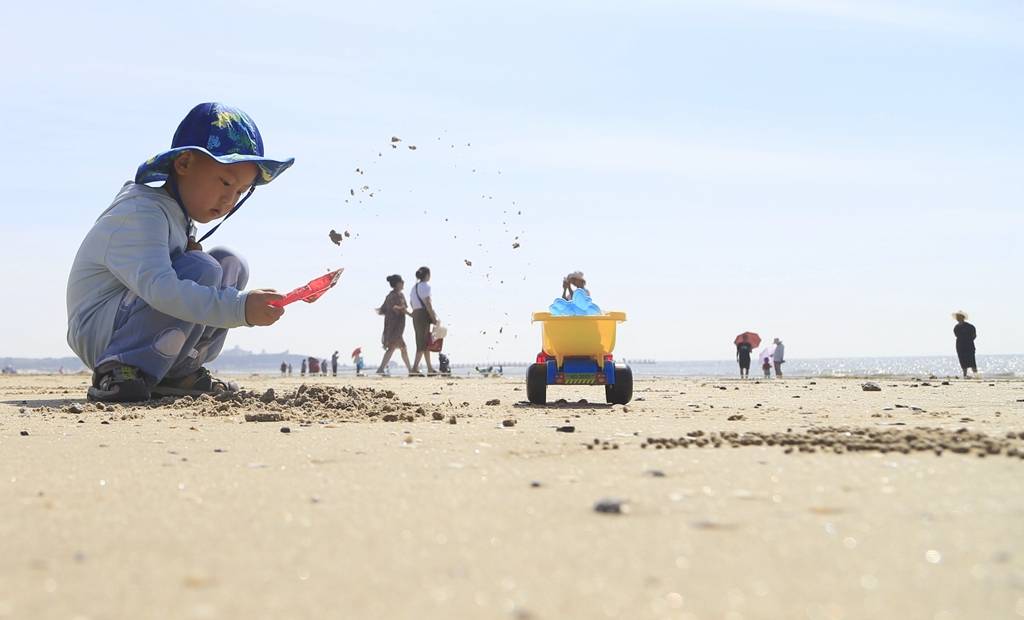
point(579, 365)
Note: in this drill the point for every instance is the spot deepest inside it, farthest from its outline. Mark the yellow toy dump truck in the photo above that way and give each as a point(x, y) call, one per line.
point(577, 350)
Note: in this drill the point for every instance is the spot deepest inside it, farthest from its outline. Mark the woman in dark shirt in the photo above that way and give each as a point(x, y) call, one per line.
point(965, 335)
point(394, 310)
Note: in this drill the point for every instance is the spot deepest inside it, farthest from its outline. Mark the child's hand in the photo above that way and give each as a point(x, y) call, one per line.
point(258, 310)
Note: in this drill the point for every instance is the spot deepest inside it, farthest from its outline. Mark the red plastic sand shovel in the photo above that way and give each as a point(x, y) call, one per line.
point(312, 291)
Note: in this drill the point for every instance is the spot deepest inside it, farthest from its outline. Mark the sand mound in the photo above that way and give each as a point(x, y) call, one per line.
point(307, 403)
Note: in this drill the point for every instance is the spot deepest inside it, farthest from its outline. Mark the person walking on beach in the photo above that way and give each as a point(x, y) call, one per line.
point(284, 368)
point(289, 369)
point(423, 316)
point(334, 364)
point(965, 334)
point(743, 350)
point(779, 357)
point(394, 309)
point(302, 369)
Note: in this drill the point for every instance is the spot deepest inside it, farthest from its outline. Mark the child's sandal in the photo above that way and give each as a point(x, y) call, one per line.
point(196, 384)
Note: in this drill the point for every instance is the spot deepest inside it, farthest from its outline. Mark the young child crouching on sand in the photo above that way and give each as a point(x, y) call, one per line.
point(146, 306)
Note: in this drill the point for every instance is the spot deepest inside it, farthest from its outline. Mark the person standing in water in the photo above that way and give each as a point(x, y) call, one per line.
point(423, 316)
point(965, 334)
point(394, 309)
point(743, 350)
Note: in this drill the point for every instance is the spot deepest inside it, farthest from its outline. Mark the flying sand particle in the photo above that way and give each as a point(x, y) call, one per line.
point(335, 237)
point(468, 262)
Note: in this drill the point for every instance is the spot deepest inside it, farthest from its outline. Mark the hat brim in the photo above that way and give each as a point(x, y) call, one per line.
point(158, 168)
point(960, 313)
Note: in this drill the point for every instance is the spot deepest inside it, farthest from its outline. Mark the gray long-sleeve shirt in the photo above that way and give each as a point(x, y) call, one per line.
point(129, 248)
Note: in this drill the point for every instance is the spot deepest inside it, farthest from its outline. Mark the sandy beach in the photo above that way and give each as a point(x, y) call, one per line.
point(802, 498)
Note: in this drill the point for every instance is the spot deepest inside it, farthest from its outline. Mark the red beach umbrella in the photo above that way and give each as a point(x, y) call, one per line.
point(358, 351)
point(749, 337)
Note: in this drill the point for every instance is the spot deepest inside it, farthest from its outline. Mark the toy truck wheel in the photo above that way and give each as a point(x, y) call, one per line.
point(537, 384)
point(622, 391)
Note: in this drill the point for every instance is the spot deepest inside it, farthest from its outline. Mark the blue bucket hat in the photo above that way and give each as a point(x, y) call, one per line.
point(222, 132)
point(226, 134)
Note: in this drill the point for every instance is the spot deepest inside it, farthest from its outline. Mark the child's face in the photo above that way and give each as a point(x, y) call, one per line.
point(209, 188)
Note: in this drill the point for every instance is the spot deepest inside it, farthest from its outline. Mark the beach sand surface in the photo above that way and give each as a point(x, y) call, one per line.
point(173, 512)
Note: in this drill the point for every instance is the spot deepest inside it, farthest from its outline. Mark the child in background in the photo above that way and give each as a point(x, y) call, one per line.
point(147, 307)
point(574, 279)
point(766, 366)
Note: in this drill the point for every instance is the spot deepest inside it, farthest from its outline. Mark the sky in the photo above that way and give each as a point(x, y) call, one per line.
point(842, 175)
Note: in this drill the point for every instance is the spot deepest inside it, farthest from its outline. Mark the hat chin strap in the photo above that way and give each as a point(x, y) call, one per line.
point(188, 220)
point(230, 213)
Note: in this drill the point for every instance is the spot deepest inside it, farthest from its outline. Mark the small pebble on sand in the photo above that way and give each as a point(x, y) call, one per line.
point(611, 505)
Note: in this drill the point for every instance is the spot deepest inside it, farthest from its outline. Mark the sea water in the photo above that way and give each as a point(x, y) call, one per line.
point(989, 366)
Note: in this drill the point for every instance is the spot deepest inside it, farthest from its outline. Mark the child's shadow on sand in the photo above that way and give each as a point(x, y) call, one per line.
point(45, 402)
